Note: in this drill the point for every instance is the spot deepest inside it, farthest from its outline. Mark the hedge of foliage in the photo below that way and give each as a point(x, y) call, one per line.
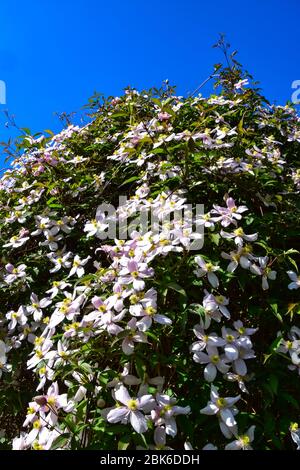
point(142, 341)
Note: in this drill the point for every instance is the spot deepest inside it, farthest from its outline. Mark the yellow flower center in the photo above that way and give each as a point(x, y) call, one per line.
point(30, 410)
point(102, 308)
point(37, 424)
point(221, 402)
point(245, 440)
point(37, 446)
point(51, 401)
point(230, 338)
point(38, 341)
point(239, 232)
point(215, 359)
point(132, 405)
point(134, 299)
point(150, 310)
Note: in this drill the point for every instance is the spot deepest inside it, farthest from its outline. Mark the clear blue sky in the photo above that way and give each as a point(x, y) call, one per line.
point(55, 53)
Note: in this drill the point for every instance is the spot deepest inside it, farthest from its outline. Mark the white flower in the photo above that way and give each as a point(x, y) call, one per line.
point(59, 261)
point(16, 241)
point(37, 305)
point(264, 271)
point(214, 362)
point(243, 441)
point(295, 284)
point(207, 269)
point(18, 317)
point(77, 267)
point(239, 236)
point(52, 238)
point(4, 367)
point(97, 226)
point(14, 273)
point(131, 409)
point(295, 434)
point(222, 407)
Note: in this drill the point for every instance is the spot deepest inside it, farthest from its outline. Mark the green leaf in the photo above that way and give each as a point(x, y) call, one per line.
point(176, 287)
point(60, 441)
point(124, 442)
point(215, 238)
point(130, 180)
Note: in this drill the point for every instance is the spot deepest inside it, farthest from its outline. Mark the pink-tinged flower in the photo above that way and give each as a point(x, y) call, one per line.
point(242, 330)
point(46, 372)
point(241, 84)
point(37, 305)
point(242, 441)
point(230, 214)
point(134, 273)
point(17, 240)
point(149, 315)
point(295, 284)
point(96, 227)
point(41, 351)
point(60, 261)
point(132, 337)
point(231, 347)
point(240, 257)
point(145, 306)
point(205, 339)
point(19, 443)
point(165, 412)
point(77, 266)
point(164, 116)
point(4, 367)
point(218, 302)
point(118, 297)
point(103, 316)
point(14, 273)
point(131, 409)
point(207, 269)
point(295, 434)
point(263, 270)
point(32, 411)
point(160, 439)
point(52, 238)
point(214, 362)
point(42, 223)
point(57, 287)
point(45, 439)
point(115, 101)
point(222, 407)
point(51, 402)
point(17, 317)
point(125, 377)
point(207, 220)
point(239, 236)
point(64, 224)
point(68, 308)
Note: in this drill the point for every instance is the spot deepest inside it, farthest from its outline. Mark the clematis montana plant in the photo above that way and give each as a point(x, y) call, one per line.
point(149, 323)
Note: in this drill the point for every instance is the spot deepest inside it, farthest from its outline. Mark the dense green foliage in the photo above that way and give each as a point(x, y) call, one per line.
point(227, 151)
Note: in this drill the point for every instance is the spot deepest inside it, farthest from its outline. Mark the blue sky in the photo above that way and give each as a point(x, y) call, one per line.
point(55, 53)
